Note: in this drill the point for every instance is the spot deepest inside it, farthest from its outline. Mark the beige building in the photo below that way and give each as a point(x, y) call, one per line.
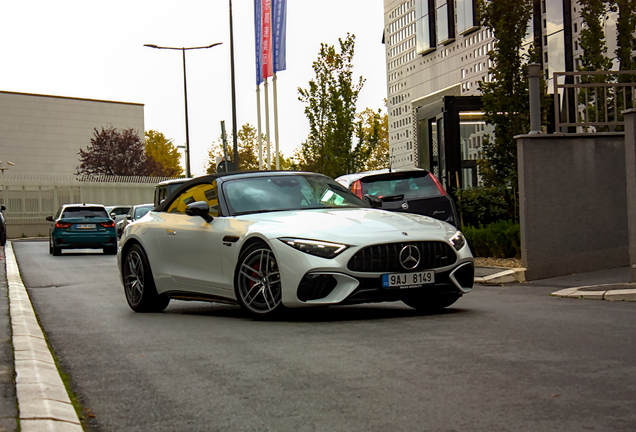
point(43, 134)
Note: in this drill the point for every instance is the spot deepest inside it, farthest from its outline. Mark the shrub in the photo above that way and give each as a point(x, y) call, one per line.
point(499, 239)
point(485, 205)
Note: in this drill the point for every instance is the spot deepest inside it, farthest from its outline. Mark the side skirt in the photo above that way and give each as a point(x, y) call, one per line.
point(191, 296)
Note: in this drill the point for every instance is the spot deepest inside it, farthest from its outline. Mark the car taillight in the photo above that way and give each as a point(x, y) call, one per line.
point(438, 184)
point(59, 224)
point(108, 224)
point(356, 188)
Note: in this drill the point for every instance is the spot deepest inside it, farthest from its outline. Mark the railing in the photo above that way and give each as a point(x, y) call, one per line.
point(594, 102)
point(31, 198)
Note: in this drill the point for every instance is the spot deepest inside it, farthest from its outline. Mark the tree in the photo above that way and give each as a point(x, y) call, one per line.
point(625, 27)
point(331, 107)
point(505, 97)
point(163, 158)
point(374, 128)
point(112, 152)
point(248, 151)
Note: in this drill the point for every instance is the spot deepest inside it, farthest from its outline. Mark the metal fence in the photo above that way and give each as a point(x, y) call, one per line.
point(31, 198)
point(593, 101)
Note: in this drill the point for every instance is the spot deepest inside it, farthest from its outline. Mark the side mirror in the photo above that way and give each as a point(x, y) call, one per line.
point(3, 207)
point(199, 208)
point(48, 218)
point(128, 217)
point(373, 201)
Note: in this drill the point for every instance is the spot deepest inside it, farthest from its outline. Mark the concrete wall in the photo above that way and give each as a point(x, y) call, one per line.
point(630, 171)
point(573, 207)
point(43, 134)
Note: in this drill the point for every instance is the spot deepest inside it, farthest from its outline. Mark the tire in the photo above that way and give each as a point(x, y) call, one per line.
point(139, 285)
point(431, 303)
point(57, 251)
point(111, 250)
point(257, 281)
point(3, 238)
point(50, 246)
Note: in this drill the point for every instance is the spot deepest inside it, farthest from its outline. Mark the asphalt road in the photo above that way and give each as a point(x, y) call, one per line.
point(501, 359)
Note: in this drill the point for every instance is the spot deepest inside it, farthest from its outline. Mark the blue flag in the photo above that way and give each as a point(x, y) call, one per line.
point(279, 24)
point(258, 34)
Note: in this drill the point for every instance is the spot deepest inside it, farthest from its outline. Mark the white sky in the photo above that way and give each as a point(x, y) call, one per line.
point(94, 49)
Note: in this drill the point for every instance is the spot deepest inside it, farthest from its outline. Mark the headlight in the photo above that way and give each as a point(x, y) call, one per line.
point(458, 240)
point(315, 247)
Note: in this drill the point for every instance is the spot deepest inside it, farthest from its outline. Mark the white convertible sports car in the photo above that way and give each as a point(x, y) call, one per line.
point(275, 240)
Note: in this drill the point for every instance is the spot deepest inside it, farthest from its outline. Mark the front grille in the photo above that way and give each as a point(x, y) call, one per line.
point(385, 258)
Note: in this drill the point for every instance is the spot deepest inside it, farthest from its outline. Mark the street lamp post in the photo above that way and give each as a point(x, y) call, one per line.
point(185, 95)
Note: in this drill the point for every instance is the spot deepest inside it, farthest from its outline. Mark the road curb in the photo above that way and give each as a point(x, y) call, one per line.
point(504, 276)
point(600, 292)
point(43, 402)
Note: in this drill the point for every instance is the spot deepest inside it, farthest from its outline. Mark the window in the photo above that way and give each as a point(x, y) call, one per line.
point(201, 192)
point(445, 21)
point(81, 212)
point(466, 16)
point(424, 26)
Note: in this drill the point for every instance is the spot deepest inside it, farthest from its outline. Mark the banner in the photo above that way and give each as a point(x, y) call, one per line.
point(280, 34)
point(268, 52)
point(258, 36)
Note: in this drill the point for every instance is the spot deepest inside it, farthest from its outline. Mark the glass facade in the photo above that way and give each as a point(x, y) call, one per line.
point(445, 21)
point(425, 26)
point(466, 16)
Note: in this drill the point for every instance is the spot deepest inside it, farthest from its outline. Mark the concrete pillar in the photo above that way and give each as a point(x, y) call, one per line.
point(534, 90)
point(630, 171)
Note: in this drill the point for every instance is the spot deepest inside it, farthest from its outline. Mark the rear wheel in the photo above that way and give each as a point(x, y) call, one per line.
point(111, 250)
point(3, 238)
point(431, 303)
point(139, 285)
point(56, 251)
point(257, 281)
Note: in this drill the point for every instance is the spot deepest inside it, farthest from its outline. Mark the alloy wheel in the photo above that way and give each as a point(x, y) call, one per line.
point(259, 282)
point(134, 277)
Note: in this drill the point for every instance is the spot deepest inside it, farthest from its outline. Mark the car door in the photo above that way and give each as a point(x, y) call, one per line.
point(191, 246)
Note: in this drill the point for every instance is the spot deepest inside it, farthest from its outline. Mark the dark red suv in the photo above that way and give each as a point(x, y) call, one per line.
point(411, 191)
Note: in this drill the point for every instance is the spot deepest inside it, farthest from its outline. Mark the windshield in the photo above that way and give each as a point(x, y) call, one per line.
point(141, 211)
point(74, 212)
point(279, 193)
point(401, 186)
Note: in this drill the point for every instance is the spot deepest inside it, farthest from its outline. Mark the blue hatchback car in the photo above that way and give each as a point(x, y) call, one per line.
point(82, 226)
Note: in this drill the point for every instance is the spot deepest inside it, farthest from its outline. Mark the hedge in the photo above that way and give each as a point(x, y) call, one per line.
point(498, 240)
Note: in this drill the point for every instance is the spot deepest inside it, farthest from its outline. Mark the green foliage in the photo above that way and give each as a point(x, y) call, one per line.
point(484, 205)
point(163, 158)
point(499, 240)
point(625, 27)
point(248, 151)
point(592, 36)
point(505, 97)
point(331, 109)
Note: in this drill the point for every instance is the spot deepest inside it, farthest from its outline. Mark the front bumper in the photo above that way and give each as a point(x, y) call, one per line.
point(312, 281)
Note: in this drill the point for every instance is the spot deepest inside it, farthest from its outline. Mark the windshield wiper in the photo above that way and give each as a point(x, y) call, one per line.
point(253, 212)
point(392, 197)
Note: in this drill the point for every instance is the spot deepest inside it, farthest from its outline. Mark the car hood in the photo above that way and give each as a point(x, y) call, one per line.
point(346, 225)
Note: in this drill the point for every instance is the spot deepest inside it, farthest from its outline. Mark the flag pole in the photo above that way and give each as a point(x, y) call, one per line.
point(269, 153)
point(276, 125)
point(258, 127)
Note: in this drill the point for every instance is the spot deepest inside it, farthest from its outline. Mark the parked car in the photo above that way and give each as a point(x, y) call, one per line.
point(275, 240)
point(165, 188)
point(135, 212)
point(3, 226)
point(117, 212)
point(82, 226)
point(412, 191)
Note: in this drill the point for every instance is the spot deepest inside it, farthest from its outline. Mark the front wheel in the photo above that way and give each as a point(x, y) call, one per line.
point(431, 303)
point(257, 281)
point(139, 285)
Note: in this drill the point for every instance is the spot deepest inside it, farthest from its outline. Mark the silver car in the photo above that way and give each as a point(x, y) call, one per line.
point(135, 212)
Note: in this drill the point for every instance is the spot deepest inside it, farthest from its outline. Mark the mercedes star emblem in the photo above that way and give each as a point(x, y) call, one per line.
point(405, 205)
point(410, 257)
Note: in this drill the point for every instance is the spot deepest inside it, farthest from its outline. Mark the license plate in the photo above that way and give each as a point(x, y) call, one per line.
point(85, 226)
point(408, 280)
